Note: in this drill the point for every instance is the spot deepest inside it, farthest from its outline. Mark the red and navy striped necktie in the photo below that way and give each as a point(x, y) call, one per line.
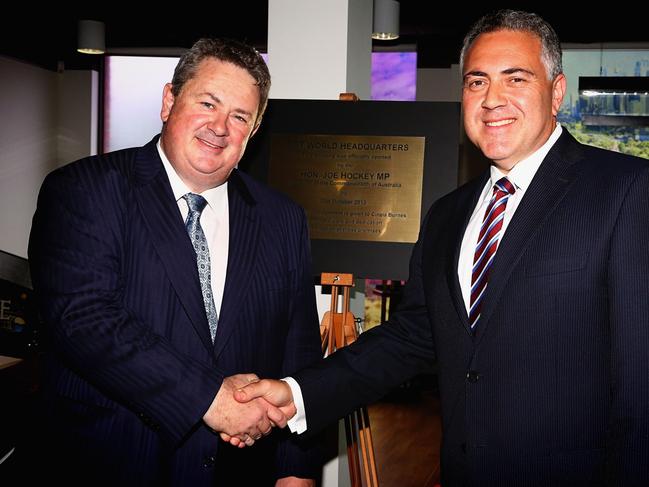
point(490, 233)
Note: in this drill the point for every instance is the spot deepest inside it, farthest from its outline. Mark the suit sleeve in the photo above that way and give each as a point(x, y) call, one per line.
point(628, 287)
point(381, 358)
point(297, 456)
point(76, 258)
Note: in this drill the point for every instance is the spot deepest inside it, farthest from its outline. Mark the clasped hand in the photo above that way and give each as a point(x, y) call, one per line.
point(247, 408)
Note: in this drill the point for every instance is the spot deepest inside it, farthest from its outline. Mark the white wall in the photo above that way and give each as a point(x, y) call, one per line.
point(46, 120)
point(133, 90)
point(28, 142)
point(317, 50)
point(359, 49)
point(78, 117)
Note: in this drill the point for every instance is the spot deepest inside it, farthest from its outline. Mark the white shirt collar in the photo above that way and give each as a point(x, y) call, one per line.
point(522, 173)
point(215, 196)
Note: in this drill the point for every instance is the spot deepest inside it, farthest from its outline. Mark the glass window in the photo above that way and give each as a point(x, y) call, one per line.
point(611, 118)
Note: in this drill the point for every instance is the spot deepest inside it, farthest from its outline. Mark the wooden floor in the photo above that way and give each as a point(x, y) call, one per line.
point(406, 430)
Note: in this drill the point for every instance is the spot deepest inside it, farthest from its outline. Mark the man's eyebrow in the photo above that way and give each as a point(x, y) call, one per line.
point(518, 70)
point(475, 73)
point(513, 70)
point(214, 98)
point(243, 112)
point(217, 100)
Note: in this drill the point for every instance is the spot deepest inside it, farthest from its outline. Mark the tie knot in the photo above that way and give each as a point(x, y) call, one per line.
point(195, 202)
point(504, 185)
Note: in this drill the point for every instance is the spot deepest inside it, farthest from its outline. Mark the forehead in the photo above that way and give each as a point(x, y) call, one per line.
point(504, 49)
point(226, 82)
point(215, 68)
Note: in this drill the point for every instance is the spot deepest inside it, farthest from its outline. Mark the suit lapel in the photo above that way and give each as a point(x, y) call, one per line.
point(465, 208)
point(164, 223)
point(547, 189)
point(244, 238)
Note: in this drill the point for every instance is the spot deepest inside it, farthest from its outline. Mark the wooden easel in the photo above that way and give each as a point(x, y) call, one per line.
point(337, 330)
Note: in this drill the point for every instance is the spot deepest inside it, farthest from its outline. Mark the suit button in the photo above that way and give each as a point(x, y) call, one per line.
point(472, 376)
point(209, 461)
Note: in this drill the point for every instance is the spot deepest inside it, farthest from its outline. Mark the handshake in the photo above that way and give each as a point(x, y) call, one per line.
point(247, 408)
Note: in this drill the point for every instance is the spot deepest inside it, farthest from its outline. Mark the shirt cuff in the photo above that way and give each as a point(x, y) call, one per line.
point(297, 424)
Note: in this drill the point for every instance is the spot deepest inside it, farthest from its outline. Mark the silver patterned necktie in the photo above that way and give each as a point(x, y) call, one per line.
point(196, 204)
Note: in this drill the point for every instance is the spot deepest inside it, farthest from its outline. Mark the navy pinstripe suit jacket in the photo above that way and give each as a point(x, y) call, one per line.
point(553, 388)
point(133, 367)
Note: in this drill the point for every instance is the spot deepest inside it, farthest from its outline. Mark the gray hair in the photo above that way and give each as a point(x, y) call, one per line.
point(519, 21)
point(227, 50)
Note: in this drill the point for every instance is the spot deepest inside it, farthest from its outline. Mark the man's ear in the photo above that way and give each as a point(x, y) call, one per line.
point(558, 92)
point(167, 102)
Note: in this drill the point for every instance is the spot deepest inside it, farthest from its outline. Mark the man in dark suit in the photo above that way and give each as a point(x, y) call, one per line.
point(162, 270)
point(528, 288)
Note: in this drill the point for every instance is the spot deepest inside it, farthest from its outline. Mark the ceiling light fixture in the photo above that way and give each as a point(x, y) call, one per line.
point(386, 20)
point(92, 37)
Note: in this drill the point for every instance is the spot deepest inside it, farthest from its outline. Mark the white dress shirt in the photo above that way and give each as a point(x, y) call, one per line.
point(520, 176)
point(215, 221)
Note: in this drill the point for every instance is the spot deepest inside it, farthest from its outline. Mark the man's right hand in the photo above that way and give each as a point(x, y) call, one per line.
point(242, 422)
point(275, 393)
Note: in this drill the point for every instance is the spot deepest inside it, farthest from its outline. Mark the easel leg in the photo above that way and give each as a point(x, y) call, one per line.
point(367, 445)
point(352, 451)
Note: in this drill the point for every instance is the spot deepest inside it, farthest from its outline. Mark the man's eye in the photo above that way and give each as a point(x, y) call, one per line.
point(207, 105)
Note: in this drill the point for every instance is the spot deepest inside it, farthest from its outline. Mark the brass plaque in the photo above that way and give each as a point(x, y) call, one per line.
point(352, 187)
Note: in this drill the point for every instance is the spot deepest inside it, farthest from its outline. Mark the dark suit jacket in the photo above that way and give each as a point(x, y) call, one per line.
point(134, 368)
point(553, 388)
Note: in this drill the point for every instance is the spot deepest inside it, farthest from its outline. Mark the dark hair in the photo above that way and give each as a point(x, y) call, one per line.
point(227, 50)
point(520, 21)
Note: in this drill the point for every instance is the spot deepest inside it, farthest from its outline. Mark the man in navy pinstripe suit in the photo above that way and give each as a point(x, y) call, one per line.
point(544, 365)
point(136, 387)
